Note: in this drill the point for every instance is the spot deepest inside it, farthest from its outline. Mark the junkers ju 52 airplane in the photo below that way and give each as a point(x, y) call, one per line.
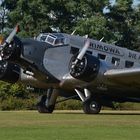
point(73, 67)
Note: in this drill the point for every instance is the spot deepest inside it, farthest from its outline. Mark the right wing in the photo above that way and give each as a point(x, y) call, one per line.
point(127, 76)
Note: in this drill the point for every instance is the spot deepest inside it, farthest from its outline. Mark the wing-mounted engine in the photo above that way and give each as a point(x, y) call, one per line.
point(85, 69)
point(12, 46)
point(12, 73)
point(9, 72)
point(13, 50)
point(84, 66)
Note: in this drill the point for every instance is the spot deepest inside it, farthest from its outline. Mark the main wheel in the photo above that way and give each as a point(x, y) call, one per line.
point(91, 106)
point(41, 107)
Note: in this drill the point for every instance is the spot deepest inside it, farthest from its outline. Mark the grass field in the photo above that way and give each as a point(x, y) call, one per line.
point(69, 125)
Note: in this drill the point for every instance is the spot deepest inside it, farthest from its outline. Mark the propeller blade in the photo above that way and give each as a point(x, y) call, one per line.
point(10, 37)
point(83, 51)
point(12, 34)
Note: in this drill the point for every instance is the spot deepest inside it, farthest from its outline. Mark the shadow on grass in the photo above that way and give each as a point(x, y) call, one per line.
point(121, 113)
point(101, 113)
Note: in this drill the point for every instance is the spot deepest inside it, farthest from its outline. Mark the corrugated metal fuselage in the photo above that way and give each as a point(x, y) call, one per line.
point(51, 65)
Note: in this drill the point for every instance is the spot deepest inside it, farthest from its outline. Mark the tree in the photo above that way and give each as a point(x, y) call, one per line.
point(94, 27)
point(3, 17)
point(30, 14)
point(137, 28)
point(37, 16)
point(122, 21)
point(93, 22)
point(67, 13)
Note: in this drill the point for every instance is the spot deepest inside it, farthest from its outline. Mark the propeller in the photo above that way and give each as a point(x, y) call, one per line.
point(84, 66)
point(82, 53)
point(8, 40)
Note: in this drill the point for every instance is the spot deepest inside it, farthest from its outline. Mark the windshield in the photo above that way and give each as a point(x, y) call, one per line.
point(50, 40)
point(54, 39)
point(43, 38)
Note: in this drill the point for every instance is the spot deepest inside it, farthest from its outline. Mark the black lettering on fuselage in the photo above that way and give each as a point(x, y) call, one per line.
point(105, 48)
point(132, 55)
point(113, 50)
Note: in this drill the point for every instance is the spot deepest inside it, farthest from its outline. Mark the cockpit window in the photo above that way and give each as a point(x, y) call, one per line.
point(50, 40)
point(43, 38)
point(55, 39)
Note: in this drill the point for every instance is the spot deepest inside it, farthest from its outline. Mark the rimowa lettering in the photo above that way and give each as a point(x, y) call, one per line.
point(105, 48)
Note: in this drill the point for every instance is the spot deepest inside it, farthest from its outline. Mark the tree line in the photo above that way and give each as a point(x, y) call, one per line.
point(117, 23)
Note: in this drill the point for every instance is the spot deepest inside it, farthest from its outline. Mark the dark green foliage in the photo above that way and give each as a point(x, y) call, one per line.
point(94, 27)
point(119, 23)
point(16, 97)
point(69, 105)
point(127, 106)
point(123, 20)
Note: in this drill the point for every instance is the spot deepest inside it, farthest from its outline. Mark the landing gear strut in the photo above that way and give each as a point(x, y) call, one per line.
point(47, 102)
point(90, 105)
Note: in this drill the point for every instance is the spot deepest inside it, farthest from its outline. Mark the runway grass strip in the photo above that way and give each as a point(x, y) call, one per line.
point(69, 125)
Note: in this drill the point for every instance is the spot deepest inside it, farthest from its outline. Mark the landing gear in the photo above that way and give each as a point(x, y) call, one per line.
point(41, 105)
point(90, 104)
point(91, 107)
point(47, 102)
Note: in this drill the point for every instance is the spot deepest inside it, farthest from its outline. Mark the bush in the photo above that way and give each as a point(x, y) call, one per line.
point(127, 106)
point(69, 105)
point(16, 97)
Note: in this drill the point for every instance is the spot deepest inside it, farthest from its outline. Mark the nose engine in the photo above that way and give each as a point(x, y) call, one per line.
point(85, 69)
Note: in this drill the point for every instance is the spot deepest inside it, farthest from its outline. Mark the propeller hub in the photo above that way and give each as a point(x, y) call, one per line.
point(85, 69)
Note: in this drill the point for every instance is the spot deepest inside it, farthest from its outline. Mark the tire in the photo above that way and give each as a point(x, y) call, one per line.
point(43, 109)
point(91, 107)
point(41, 105)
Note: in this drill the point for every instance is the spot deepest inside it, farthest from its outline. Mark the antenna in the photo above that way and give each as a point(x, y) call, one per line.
point(86, 36)
point(101, 39)
point(73, 32)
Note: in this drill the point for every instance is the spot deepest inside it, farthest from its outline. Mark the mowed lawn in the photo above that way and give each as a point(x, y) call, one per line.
point(69, 125)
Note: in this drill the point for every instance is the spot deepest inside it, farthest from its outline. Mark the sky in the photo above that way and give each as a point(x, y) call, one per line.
point(135, 2)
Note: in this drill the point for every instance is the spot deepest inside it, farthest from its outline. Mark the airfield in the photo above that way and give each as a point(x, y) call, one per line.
point(69, 125)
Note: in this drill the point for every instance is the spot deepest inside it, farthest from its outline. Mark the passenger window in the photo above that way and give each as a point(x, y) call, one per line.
point(59, 42)
point(89, 52)
point(101, 56)
point(74, 50)
point(115, 61)
point(129, 64)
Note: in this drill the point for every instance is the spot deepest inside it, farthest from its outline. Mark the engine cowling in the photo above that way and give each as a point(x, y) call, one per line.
point(85, 69)
point(9, 72)
point(13, 50)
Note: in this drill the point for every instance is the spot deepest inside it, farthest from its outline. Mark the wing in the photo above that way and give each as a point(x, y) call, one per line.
point(128, 77)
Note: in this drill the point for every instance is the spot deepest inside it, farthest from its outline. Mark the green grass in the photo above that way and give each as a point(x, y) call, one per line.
point(30, 125)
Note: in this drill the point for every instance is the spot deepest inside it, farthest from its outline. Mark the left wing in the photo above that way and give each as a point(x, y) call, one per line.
point(129, 76)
